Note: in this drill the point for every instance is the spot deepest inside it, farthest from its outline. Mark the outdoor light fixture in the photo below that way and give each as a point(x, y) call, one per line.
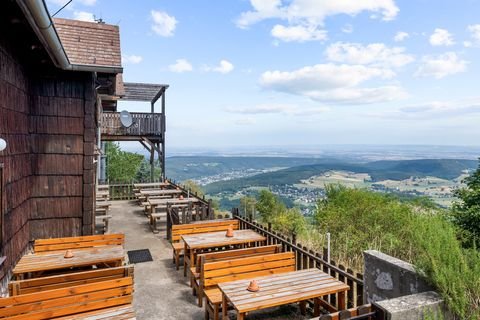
point(3, 144)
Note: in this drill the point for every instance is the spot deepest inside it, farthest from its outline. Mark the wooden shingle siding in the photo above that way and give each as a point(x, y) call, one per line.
point(18, 172)
point(47, 119)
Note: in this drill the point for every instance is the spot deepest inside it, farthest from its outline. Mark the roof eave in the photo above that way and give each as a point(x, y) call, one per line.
point(38, 17)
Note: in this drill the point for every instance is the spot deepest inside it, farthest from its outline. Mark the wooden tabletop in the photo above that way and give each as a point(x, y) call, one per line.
point(280, 289)
point(218, 239)
point(55, 260)
point(156, 202)
point(159, 192)
point(150, 185)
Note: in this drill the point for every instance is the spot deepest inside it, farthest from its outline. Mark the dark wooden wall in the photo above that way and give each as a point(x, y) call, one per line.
point(47, 119)
point(62, 129)
point(17, 158)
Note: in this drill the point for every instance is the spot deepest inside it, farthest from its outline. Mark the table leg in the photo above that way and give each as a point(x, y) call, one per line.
point(341, 300)
point(224, 307)
point(185, 253)
point(316, 307)
point(303, 307)
point(240, 316)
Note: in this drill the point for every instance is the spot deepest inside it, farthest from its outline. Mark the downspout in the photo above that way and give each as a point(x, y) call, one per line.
point(37, 15)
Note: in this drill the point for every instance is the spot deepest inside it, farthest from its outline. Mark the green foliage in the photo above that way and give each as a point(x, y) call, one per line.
point(193, 187)
point(247, 205)
point(272, 210)
point(359, 220)
point(268, 206)
point(466, 211)
point(289, 221)
point(143, 173)
point(121, 165)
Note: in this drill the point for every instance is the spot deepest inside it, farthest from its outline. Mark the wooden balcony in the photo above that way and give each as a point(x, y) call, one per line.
point(149, 125)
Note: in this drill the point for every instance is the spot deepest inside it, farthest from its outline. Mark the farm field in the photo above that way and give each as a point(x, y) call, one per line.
point(439, 190)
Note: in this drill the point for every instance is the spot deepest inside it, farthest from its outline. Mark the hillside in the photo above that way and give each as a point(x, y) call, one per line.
point(378, 170)
point(194, 167)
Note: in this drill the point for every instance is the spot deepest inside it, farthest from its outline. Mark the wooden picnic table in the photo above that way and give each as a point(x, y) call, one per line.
point(39, 263)
point(154, 203)
point(103, 187)
point(150, 185)
point(280, 289)
point(103, 195)
point(199, 241)
point(160, 192)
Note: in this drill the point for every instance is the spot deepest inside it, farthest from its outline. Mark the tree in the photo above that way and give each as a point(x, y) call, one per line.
point(193, 187)
point(144, 172)
point(290, 221)
point(268, 206)
point(247, 205)
point(121, 165)
point(273, 210)
point(466, 211)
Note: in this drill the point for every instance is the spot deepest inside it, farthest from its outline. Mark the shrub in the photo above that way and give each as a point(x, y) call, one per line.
point(360, 220)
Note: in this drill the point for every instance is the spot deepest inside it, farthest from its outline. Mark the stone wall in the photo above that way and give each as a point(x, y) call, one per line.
point(398, 292)
point(386, 277)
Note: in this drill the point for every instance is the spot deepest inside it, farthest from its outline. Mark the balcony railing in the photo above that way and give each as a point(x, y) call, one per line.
point(144, 124)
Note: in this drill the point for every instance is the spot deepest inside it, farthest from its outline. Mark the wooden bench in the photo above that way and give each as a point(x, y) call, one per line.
point(68, 280)
point(86, 301)
point(199, 227)
point(238, 269)
point(61, 244)
point(103, 222)
point(197, 270)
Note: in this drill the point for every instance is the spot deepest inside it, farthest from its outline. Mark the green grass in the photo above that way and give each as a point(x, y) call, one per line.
point(360, 220)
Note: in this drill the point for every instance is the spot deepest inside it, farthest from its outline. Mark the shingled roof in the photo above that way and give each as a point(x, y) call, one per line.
point(90, 43)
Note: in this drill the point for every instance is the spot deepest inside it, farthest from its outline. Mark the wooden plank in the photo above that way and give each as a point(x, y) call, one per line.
point(59, 293)
point(230, 264)
point(233, 222)
point(218, 239)
point(56, 260)
point(281, 289)
point(68, 280)
point(115, 236)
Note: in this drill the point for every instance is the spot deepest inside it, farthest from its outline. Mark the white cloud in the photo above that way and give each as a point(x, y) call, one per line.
point(441, 37)
point(401, 36)
point(163, 24)
point(180, 66)
point(348, 28)
point(88, 2)
point(467, 44)
point(298, 33)
point(287, 109)
point(441, 66)
point(376, 54)
point(309, 15)
point(245, 121)
point(224, 67)
point(435, 109)
point(132, 59)
point(334, 83)
point(475, 33)
point(83, 16)
point(442, 108)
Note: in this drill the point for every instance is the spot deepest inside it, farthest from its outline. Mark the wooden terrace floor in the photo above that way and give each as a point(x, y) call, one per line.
point(161, 292)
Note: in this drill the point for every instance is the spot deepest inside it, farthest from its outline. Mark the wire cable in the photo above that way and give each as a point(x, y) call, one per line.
point(66, 4)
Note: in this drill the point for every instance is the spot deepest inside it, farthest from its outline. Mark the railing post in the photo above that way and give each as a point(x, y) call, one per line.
point(169, 225)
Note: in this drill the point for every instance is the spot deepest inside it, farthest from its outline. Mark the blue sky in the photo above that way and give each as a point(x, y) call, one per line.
point(303, 72)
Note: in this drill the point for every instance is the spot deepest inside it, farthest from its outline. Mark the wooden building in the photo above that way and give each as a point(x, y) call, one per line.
point(55, 78)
